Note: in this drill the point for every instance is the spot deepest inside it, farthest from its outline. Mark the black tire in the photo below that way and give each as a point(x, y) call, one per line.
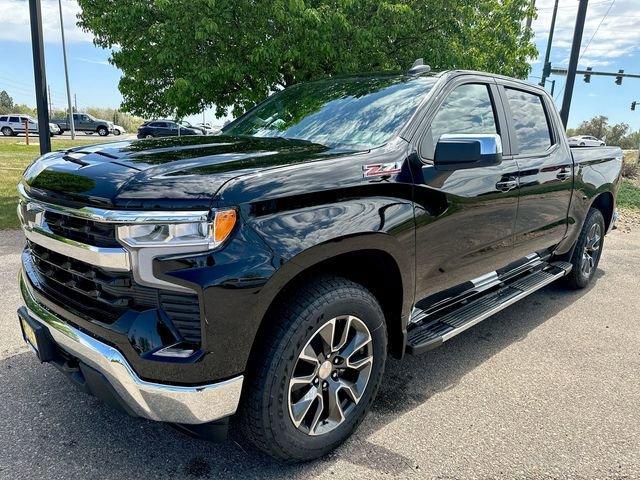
point(7, 132)
point(583, 268)
point(264, 414)
point(116, 132)
point(103, 131)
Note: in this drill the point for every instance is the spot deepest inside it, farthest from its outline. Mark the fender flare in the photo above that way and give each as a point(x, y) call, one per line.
point(313, 256)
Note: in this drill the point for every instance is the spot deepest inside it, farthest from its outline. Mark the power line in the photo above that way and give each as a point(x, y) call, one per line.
point(598, 28)
point(572, 6)
point(589, 42)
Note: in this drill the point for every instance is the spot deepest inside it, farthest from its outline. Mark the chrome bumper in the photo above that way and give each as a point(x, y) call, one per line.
point(155, 401)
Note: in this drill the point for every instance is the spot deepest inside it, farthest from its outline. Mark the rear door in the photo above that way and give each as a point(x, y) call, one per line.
point(84, 122)
point(464, 218)
point(172, 129)
point(545, 164)
point(14, 123)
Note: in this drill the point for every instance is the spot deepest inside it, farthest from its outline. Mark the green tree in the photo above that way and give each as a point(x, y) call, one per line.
point(596, 127)
point(6, 102)
point(179, 57)
point(599, 127)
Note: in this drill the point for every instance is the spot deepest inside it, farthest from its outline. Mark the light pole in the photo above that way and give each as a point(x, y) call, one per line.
point(546, 66)
point(66, 73)
point(573, 61)
point(37, 46)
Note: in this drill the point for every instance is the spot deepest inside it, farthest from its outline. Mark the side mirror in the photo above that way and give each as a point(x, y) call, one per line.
point(458, 151)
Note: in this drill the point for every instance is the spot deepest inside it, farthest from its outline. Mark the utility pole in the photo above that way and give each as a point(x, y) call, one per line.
point(66, 74)
point(546, 66)
point(573, 61)
point(37, 46)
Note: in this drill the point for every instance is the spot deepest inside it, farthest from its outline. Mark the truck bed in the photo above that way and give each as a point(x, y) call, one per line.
point(589, 155)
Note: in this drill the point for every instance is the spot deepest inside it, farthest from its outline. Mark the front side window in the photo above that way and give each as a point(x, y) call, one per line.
point(14, 119)
point(467, 109)
point(530, 122)
point(3, 119)
point(352, 112)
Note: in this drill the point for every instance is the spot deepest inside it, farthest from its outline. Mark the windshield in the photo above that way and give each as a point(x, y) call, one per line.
point(360, 112)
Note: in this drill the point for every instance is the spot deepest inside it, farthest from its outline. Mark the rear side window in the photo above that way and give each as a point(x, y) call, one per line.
point(467, 109)
point(530, 122)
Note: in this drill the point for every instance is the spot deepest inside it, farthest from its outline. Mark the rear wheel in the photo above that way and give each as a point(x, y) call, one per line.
point(148, 135)
point(588, 250)
point(316, 374)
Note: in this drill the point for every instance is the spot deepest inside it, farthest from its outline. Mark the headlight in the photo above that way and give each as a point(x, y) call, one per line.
point(147, 240)
point(208, 235)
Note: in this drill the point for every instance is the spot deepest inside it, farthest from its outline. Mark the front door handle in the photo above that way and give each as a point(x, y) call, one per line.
point(509, 184)
point(564, 175)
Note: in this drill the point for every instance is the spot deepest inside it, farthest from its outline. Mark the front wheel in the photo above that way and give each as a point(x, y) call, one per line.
point(588, 249)
point(103, 131)
point(7, 132)
point(314, 377)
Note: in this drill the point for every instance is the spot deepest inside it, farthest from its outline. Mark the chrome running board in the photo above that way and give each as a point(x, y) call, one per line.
point(435, 332)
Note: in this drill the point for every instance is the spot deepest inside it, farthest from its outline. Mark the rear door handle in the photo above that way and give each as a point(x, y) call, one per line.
point(507, 185)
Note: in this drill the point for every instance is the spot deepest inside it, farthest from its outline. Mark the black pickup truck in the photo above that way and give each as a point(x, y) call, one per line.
point(267, 273)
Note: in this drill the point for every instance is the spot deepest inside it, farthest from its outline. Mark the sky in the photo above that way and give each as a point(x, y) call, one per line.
point(611, 41)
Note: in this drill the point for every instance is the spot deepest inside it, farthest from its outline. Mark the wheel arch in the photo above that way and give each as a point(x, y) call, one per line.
point(382, 272)
point(605, 202)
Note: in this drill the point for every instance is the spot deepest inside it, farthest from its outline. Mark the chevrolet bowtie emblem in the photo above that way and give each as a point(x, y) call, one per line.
point(32, 215)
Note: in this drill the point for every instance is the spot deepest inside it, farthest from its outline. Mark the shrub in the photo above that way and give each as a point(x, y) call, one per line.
point(630, 169)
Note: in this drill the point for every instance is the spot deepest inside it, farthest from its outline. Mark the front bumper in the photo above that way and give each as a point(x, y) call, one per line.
point(155, 401)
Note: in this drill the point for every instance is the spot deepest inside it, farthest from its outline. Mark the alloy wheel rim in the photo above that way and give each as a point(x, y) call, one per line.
point(591, 249)
point(331, 375)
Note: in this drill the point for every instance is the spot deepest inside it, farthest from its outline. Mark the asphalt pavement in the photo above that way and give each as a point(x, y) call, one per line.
point(549, 388)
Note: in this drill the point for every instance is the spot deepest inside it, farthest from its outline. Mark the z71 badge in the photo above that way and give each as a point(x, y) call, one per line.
point(381, 169)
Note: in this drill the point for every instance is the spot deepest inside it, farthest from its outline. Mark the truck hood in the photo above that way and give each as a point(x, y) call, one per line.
point(168, 173)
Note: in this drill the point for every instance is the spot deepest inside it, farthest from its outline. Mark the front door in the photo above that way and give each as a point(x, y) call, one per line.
point(546, 170)
point(464, 218)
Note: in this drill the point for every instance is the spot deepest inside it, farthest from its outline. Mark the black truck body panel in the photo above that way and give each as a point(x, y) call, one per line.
point(301, 204)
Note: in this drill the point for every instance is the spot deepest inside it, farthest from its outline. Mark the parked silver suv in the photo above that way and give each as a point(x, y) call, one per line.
point(13, 124)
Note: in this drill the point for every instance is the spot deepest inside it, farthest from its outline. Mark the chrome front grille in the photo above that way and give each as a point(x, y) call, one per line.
point(82, 230)
point(78, 264)
point(104, 295)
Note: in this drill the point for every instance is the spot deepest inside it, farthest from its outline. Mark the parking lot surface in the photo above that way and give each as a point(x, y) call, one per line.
point(549, 388)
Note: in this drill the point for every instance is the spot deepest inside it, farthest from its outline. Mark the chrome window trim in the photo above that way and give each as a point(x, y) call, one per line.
point(155, 401)
point(120, 216)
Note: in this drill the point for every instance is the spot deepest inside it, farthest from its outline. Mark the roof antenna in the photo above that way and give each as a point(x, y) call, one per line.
point(419, 67)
